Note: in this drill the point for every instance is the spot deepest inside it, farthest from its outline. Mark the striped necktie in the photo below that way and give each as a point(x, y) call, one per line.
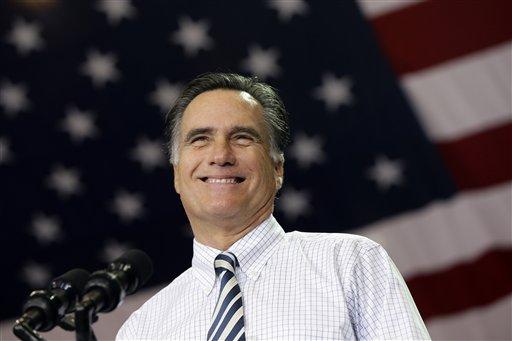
point(228, 317)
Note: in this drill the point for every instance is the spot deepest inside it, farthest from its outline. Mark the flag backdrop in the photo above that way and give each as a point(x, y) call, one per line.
point(401, 131)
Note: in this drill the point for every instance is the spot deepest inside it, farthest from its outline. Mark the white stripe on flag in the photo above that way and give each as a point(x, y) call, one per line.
point(482, 323)
point(375, 8)
point(446, 233)
point(463, 96)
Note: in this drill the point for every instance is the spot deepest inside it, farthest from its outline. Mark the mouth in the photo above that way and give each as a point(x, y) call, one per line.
point(226, 180)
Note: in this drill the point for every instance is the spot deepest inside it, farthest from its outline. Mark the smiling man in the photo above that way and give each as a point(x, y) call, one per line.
point(223, 170)
point(249, 279)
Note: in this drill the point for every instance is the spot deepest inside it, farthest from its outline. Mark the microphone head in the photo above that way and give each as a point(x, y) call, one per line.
point(44, 308)
point(74, 279)
point(106, 289)
point(141, 265)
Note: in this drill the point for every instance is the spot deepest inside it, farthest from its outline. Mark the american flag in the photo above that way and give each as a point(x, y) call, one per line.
point(400, 117)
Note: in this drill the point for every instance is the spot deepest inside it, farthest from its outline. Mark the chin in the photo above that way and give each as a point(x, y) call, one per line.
point(223, 210)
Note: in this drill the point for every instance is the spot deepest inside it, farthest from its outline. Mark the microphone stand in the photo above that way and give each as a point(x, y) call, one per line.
point(25, 332)
point(80, 321)
point(85, 316)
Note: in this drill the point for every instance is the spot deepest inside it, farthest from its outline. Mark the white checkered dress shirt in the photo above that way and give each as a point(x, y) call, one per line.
point(295, 286)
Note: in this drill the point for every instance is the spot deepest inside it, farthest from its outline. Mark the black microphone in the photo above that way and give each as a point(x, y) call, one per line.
point(106, 289)
point(44, 308)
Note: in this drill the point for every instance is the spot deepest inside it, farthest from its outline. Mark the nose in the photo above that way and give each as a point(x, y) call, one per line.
point(222, 154)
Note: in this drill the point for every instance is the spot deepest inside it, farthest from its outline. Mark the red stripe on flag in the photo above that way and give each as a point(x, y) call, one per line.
point(481, 159)
point(464, 286)
point(431, 32)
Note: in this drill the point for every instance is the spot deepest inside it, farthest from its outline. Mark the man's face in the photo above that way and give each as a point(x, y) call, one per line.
point(224, 169)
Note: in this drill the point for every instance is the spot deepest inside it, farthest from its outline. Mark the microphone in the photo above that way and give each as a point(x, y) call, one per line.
point(106, 289)
point(44, 308)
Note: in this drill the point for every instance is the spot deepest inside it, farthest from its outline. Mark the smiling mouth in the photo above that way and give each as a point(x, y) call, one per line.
point(230, 180)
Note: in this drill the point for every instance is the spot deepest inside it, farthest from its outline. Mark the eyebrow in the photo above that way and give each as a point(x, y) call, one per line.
point(247, 130)
point(198, 131)
point(235, 130)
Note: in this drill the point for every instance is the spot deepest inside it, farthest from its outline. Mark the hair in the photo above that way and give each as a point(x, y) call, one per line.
point(274, 112)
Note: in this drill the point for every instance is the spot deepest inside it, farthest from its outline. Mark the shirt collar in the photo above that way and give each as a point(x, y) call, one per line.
point(252, 251)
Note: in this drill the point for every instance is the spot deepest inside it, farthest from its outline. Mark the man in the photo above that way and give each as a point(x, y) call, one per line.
point(249, 279)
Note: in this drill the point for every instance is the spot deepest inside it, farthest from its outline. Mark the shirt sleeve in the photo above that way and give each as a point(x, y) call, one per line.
point(380, 304)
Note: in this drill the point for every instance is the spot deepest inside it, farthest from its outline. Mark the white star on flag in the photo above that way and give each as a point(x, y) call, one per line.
point(116, 10)
point(286, 9)
point(46, 229)
point(165, 94)
point(26, 37)
point(66, 181)
point(294, 203)
point(386, 172)
point(334, 91)
point(128, 206)
point(101, 68)
point(113, 250)
point(262, 63)
point(149, 153)
point(79, 124)
point(5, 152)
point(192, 36)
point(307, 150)
point(36, 275)
point(13, 98)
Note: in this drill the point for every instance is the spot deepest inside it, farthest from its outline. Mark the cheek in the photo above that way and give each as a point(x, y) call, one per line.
point(190, 162)
point(182, 174)
point(267, 176)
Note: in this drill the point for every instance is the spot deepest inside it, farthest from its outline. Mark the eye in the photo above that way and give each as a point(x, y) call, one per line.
point(243, 139)
point(199, 140)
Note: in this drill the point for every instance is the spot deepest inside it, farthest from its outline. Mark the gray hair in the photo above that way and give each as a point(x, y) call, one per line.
point(274, 112)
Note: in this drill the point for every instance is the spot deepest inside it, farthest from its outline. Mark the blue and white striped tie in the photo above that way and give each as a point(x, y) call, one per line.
point(228, 317)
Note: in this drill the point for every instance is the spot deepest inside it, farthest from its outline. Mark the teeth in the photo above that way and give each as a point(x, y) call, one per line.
point(222, 181)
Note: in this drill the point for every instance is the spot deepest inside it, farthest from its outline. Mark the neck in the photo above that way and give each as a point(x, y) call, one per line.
point(223, 233)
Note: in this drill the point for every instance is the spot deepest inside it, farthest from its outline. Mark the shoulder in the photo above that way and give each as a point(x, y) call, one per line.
point(336, 243)
point(138, 325)
point(330, 253)
point(345, 252)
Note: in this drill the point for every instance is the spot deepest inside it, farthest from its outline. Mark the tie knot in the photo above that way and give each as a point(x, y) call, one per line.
point(225, 261)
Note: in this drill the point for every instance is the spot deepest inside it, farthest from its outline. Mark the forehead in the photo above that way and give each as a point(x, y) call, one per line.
point(219, 108)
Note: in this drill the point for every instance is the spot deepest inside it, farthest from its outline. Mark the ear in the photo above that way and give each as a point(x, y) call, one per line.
point(176, 178)
point(279, 174)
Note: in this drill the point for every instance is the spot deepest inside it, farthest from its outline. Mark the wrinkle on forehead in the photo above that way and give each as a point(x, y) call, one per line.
point(214, 102)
